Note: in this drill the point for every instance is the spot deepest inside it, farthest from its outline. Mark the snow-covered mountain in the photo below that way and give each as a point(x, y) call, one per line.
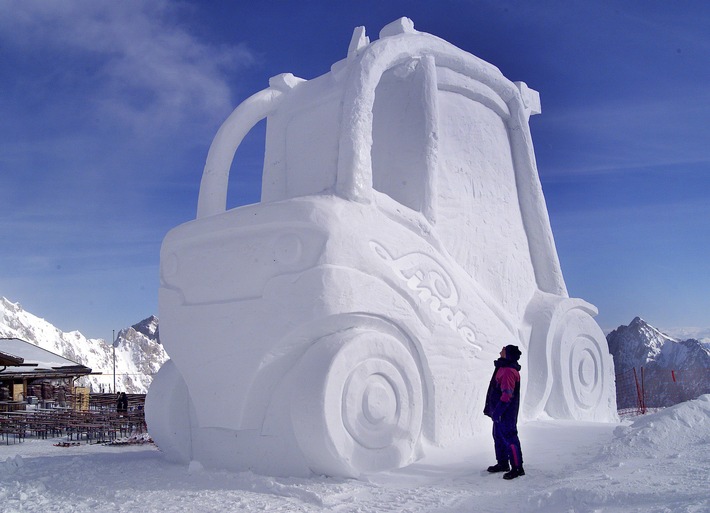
point(138, 351)
point(673, 370)
point(641, 345)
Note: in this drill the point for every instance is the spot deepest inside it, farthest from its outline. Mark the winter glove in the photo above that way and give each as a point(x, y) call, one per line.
point(497, 413)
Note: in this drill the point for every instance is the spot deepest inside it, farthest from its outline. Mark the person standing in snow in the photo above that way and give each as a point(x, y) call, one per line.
point(122, 403)
point(502, 404)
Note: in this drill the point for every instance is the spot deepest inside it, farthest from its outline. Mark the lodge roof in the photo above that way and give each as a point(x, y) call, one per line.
point(19, 358)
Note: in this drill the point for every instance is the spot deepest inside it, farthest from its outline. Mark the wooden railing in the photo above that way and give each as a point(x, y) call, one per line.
point(100, 423)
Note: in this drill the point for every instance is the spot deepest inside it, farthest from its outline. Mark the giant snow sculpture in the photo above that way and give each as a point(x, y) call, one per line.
point(351, 318)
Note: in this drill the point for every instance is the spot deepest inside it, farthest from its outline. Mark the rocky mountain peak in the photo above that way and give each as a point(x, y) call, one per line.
point(149, 328)
point(639, 344)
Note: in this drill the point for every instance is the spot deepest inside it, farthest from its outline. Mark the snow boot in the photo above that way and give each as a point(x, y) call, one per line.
point(501, 466)
point(516, 472)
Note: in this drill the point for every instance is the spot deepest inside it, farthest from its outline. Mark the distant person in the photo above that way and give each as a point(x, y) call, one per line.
point(122, 403)
point(502, 404)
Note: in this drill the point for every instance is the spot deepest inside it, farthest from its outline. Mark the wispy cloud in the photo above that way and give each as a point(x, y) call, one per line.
point(103, 104)
point(132, 62)
point(686, 332)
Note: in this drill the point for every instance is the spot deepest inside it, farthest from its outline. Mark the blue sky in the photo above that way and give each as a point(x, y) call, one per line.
point(107, 110)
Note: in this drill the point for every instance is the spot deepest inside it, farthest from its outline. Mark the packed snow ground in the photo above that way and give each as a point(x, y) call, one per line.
point(654, 463)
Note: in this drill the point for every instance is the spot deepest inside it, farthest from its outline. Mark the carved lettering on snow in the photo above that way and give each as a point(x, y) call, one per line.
point(433, 285)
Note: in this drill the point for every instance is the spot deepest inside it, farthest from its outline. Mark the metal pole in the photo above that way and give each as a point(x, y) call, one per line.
point(113, 346)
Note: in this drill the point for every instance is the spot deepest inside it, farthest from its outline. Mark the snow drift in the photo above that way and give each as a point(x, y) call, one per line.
point(656, 464)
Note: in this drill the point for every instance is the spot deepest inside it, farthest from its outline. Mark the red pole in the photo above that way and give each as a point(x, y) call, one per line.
point(643, 393)
point(639, 398)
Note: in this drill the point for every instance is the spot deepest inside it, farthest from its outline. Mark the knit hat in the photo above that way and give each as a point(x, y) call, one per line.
point(512, 353)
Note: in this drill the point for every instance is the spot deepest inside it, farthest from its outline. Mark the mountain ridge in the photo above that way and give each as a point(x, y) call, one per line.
point(654, 369)
point(640, 344)
point(138, 352)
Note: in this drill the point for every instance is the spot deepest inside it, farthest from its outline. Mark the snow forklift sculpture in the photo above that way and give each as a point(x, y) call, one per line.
point(351, 318)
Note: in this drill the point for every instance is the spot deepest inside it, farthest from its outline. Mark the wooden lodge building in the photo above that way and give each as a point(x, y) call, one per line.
point(32, 377)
